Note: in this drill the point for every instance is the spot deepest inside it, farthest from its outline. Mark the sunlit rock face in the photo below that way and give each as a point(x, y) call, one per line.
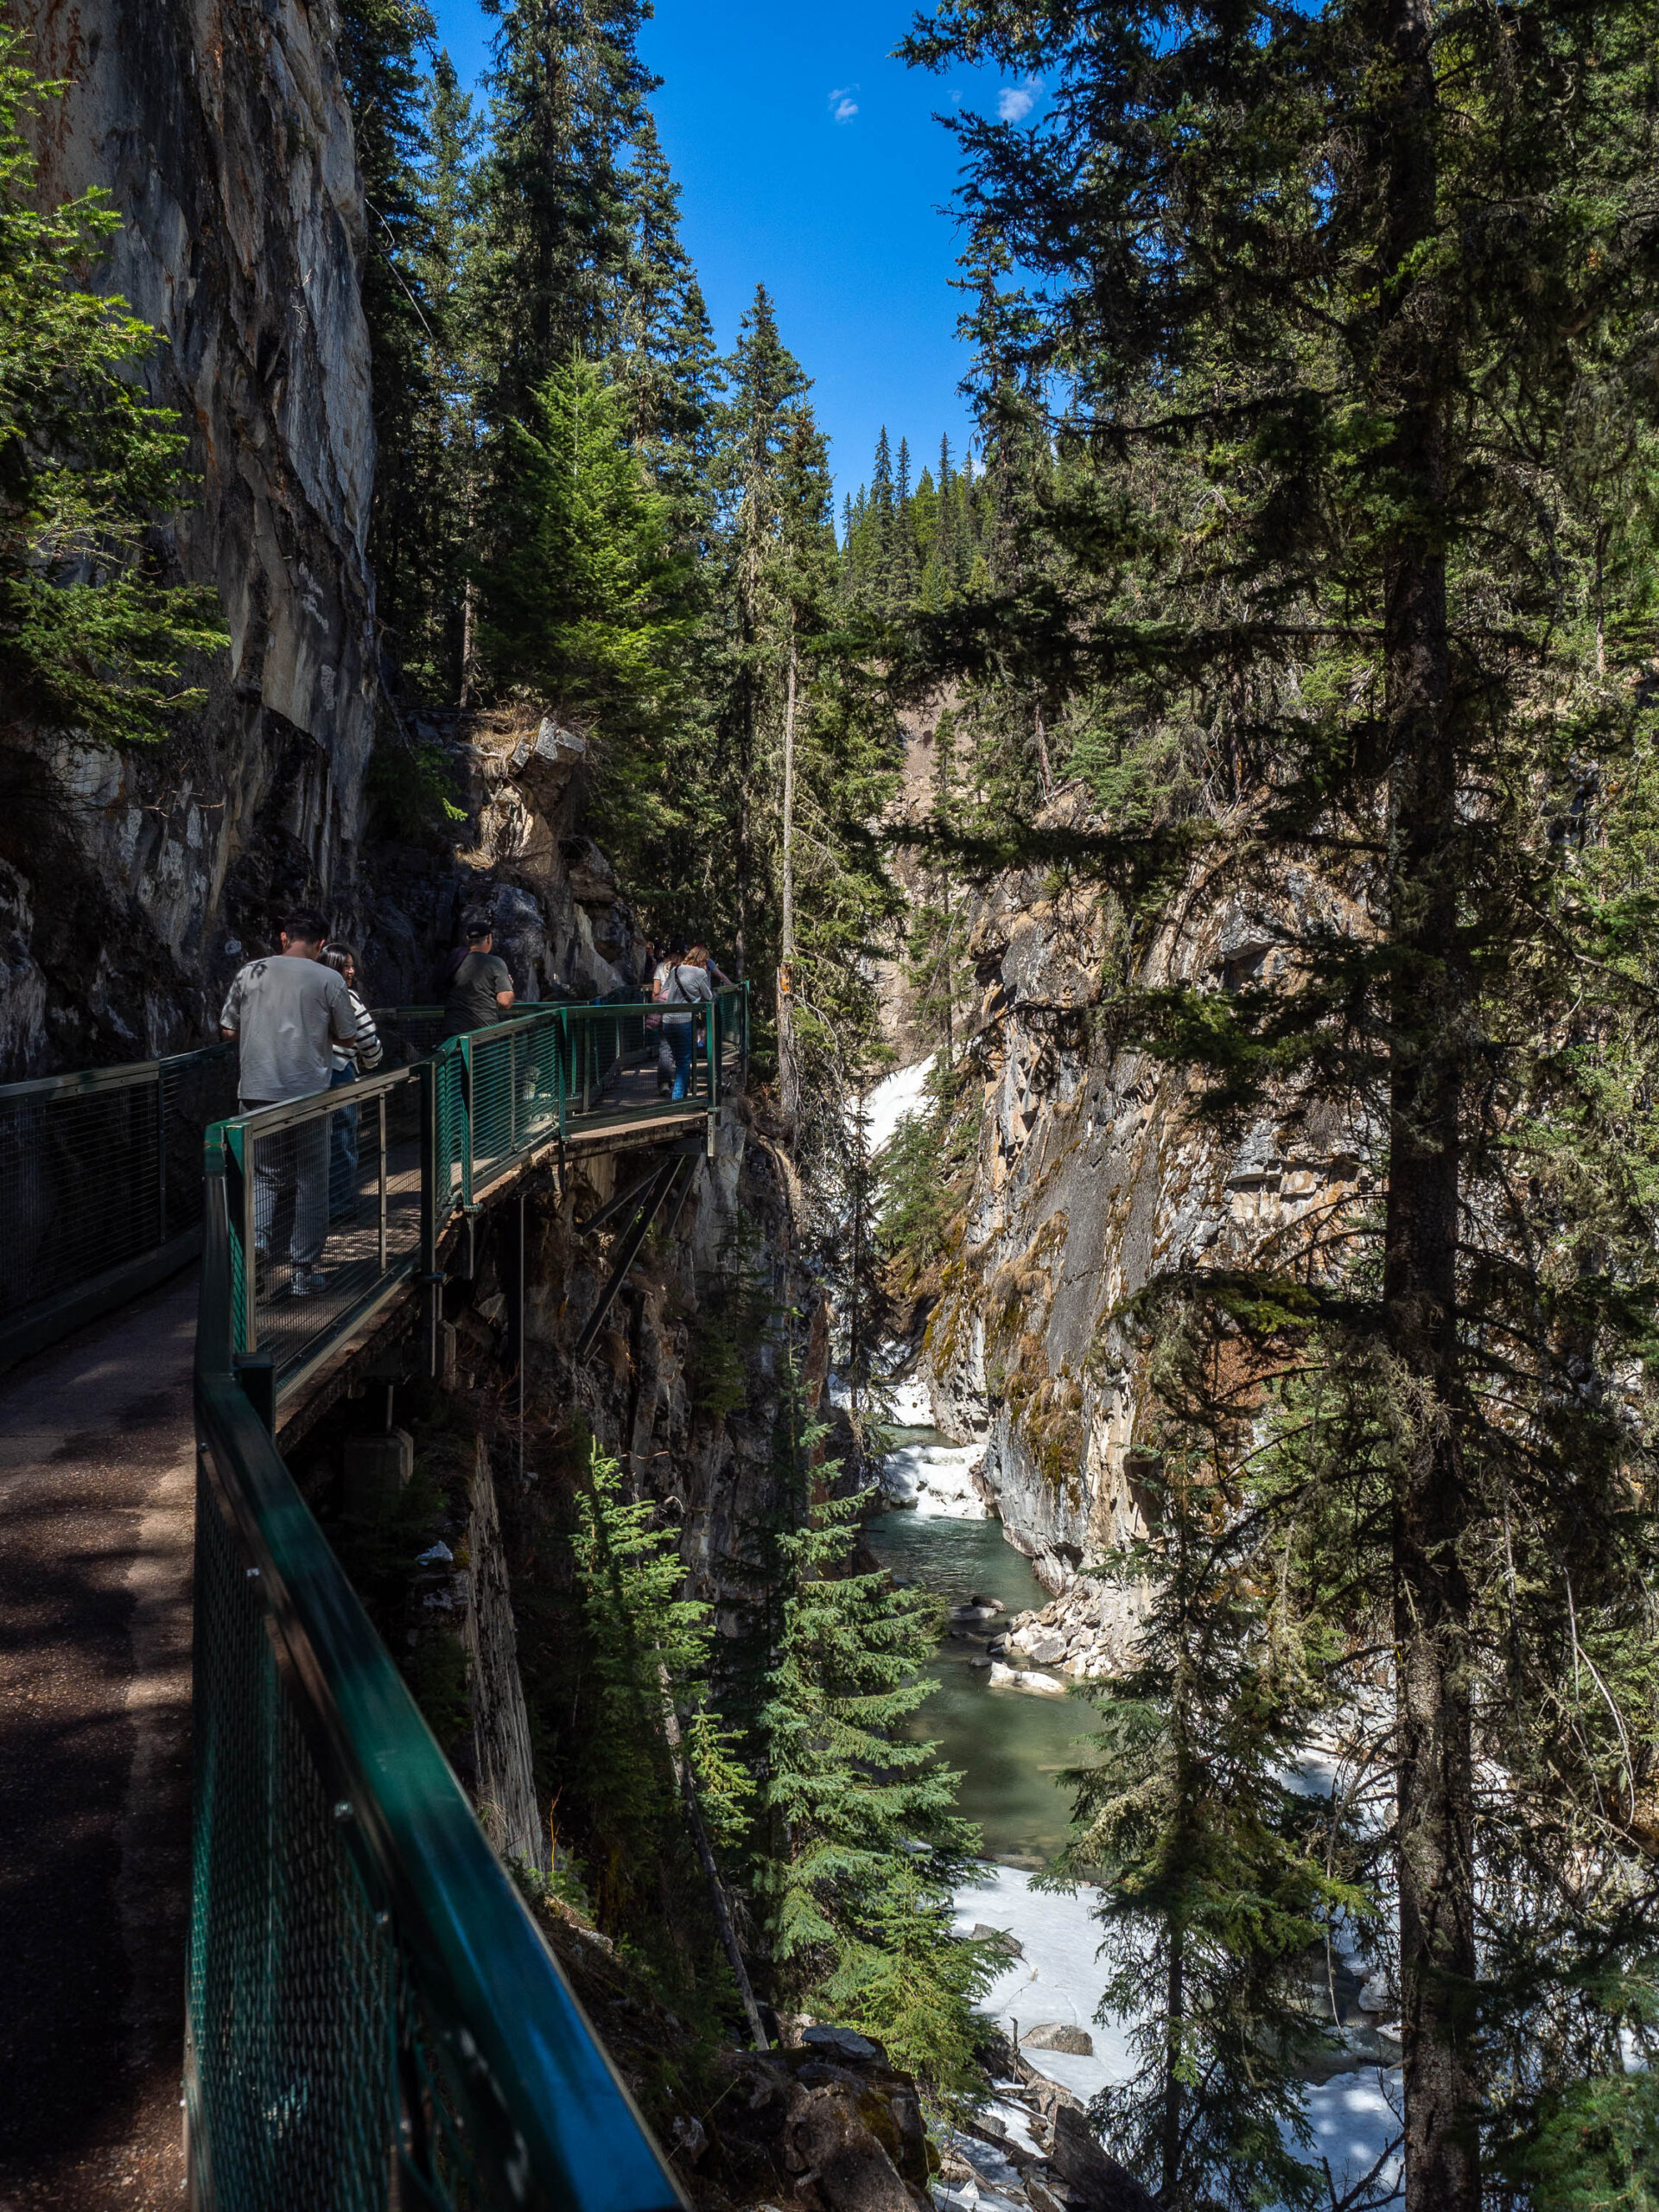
point(1093, 1178)
point(128, 883)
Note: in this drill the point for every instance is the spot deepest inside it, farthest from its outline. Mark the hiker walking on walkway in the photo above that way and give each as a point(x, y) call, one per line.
point(683, 983)
point(662, 960)
point(287, 1013)
point(480, 990)
point(350, 1061)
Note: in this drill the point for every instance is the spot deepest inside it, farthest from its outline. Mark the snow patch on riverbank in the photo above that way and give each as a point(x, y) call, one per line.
point(1058, 1977)
point(896, 1095)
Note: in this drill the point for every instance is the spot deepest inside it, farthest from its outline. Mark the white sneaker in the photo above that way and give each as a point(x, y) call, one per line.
point(308, 1282)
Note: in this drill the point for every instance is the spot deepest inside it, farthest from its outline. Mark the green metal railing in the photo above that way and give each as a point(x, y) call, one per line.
point(100, 1187)
point(373, 2020)
point(430, 1140)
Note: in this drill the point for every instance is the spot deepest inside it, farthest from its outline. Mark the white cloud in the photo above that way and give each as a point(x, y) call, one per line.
point(843, 106)
point(1015, 102)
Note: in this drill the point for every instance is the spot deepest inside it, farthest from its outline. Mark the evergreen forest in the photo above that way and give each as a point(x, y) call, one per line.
point(1304, 564)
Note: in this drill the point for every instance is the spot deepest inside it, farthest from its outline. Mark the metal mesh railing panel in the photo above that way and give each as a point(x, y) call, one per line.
point(330, 1205)
point(316, 2079)
point(449, 1115)
point(407, 1033)
point(516, 1094)
point(292, 1982)
point(621, 1061)
point(94, 1173)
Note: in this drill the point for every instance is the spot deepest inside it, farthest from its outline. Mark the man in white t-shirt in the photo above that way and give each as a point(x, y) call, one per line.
point(287, 1013)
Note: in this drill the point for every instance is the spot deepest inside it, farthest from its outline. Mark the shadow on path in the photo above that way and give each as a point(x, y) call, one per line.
point(96, 1501)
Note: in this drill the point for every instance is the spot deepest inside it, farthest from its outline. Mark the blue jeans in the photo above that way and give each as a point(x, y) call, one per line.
point(342, 1151)
point(290, 1192)
point(679, 1036)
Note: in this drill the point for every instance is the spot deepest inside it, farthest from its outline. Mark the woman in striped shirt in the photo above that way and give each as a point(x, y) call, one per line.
point(358, 1058)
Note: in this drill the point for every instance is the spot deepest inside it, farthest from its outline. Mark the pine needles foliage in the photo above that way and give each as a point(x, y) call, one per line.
point(93, 636)
point(646, 1678)
point(1224, 1876)
point(866, 1845)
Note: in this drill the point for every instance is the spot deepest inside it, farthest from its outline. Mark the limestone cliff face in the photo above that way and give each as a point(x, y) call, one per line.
point(1092, 1179)
point(518, 853)
point(221, 132)
point(684, 1389)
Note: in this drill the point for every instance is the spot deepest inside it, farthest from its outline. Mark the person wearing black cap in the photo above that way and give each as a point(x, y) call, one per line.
point(480, 991)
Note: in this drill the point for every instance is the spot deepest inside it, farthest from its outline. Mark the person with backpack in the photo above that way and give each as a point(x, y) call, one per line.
point(683, 982)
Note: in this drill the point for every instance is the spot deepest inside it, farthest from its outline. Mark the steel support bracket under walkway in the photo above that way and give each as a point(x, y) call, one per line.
point(650, 1195)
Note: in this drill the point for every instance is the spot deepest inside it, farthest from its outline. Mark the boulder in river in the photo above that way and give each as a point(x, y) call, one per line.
point(1026, 1679)
point(1057, 2035)
point(981, 1932)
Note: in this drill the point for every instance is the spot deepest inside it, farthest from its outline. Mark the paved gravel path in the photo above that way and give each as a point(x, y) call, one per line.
point(96, 1506)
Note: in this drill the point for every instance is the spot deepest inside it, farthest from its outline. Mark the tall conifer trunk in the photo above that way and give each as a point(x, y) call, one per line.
point(788, 1068)
point(1428, 1015)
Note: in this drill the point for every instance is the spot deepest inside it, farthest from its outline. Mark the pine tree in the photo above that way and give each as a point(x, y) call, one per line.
point(568, 93)
point(808, 744)
point(436, 634)
point(379, 41)
point(585, 600)
point(645, 1686)
point(1218, 1876)
point(1323, 402)
point(863, 1843)
point(902, 571)
point(93, 636)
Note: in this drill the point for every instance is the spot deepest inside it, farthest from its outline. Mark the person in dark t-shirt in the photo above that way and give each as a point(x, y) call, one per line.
point(480, 991)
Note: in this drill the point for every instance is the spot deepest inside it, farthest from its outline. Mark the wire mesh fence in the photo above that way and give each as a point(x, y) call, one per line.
point(373, 2023)
point(333, 1196)
point(99, 1171)
point(407, 1033)
point(328, 1208)
point(293, 1987)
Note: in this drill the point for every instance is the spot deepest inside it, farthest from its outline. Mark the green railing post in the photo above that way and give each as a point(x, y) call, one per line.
point(464, 1054)
point(427, 1074)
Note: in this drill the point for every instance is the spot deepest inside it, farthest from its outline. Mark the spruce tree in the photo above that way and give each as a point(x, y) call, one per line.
point(567, 93)
point(643, 1686)
point(808, 744)
point(1223, 1878)
point(93, 634)
point(1324, 296)
point(585, 600)
point(379, 45)
point(863, 1843)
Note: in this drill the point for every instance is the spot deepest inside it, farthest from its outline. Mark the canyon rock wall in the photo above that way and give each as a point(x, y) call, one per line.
point(1092, 1178)
point(221, 131)
point(517, 852)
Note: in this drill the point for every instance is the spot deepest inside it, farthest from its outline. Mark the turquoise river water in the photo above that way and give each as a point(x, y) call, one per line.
point(1009, 1745)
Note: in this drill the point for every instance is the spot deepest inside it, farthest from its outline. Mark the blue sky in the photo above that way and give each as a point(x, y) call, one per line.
point(810, 162)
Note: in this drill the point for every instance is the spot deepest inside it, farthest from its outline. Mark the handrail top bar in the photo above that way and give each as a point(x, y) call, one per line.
point(277, 1116)
point(480, 1959)
point(558, 2124)
point(123, 1072)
